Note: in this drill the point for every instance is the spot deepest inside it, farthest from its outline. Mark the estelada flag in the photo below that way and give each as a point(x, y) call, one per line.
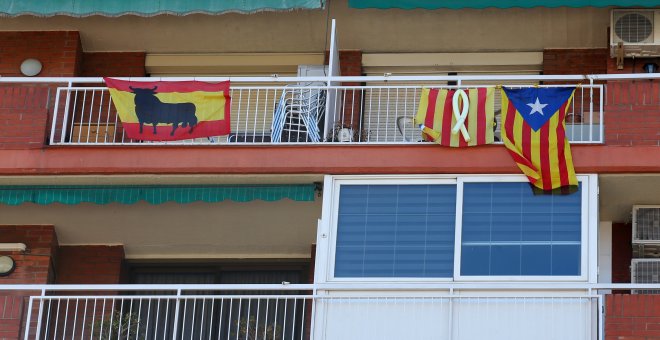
point(534, 132)
point(171, 110)
point(435, 116)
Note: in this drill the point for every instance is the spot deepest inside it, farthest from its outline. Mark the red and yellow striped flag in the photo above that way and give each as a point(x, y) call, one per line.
point(534, 132)
point(435, 116)
point(166, 110)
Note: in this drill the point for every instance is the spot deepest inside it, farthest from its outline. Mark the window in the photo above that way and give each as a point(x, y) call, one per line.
point(396, 231)
point(507, 230)
point(462, 228)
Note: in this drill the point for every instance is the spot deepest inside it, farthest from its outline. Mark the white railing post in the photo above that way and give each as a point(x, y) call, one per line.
point(29, 318)
point(450, 318)
point(54, 122)
point(601, 318)
point(176, 314)
point(591, 109)
point(601, 115)
point(65, 117)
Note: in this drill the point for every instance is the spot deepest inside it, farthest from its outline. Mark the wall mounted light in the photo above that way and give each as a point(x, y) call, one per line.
point(13, 247)
point(650, 67)
point(30, 67)
point(7, 265)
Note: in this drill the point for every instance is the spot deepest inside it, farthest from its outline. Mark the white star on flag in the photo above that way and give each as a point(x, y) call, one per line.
point(537, 107)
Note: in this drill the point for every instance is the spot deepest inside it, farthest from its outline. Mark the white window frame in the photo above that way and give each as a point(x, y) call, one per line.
point(327, 231)
point(372, 180)
point(585, 237)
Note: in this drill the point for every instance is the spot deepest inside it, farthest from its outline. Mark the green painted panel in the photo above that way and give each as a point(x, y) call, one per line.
point(456, 4)
point(148, 7)
point(15, 195)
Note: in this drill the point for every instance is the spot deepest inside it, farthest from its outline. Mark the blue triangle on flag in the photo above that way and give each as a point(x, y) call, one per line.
point(538, 104)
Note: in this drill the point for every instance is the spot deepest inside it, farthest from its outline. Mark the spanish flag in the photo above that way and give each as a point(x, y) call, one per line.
point(166, 111)
point(436, 116)
point(534, 132)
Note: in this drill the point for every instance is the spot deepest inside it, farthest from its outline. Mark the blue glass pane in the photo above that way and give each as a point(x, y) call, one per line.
point(538, 226)
point(442, 201)
point(525, 234)
point(353, 198)
point(382, 199)
point(506, 197)
point(505, 260)
point(412, 200)
point(351, 260)
point(439, 261)
point(475, 260)
point(566, 260)
point(536, 260)
point(395, 231)
point(378, 261)
point(352, 231)
point(440, 230)
point(381, 230)
point(479, 227)
point(411, 230)
point(567, 227)
point(505, 227)
point(409, 262)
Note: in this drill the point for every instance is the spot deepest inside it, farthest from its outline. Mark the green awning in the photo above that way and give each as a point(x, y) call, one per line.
point(105, 194)
point(457, 4)
point(81, 8)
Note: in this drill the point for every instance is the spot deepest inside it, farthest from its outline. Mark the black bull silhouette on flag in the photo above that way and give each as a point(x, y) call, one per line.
point(150, 110)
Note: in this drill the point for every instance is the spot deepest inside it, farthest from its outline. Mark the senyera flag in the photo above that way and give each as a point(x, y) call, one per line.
point(438, 111)
point(171, 110)
point(534, 132)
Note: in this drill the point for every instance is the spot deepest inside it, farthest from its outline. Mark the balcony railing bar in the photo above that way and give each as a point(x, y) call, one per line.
point(45, 290)
point(273, 79)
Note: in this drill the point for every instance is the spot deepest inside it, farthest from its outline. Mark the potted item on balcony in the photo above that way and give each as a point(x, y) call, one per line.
point(346, 133)
point(118, 326)
point(250, 330)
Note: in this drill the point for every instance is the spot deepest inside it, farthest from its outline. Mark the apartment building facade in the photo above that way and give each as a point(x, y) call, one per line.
point(363, 231)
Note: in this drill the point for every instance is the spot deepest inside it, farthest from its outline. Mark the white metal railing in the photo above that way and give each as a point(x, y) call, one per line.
point(284, 114)
point(274, 110)
point(320, 312)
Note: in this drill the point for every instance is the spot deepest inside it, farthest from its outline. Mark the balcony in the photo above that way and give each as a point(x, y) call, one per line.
point(305, 110)
point(420, 311)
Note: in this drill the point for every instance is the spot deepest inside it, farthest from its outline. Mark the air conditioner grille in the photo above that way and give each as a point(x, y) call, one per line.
point(633, 27)
point(646, 271)
point(647, 224)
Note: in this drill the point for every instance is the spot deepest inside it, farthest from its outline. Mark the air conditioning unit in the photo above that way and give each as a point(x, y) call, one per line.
point(646, 224)
point(638, 30)
point(645, 271)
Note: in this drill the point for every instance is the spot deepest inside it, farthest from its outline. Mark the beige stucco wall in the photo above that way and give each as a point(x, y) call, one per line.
point(367, 30)
point(258, 229)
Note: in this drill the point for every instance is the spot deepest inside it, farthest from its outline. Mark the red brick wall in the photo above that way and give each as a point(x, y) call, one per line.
point(24, 108)
point(632, 113)
point(350, 62)
point(24, 111)
point(575, 61)
point(58, 51)
point(632, 317)
point(351, 65)
point(11, 316)
point(113, 64)
point(35, 265)
point(90, 264)
point(32, 267)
